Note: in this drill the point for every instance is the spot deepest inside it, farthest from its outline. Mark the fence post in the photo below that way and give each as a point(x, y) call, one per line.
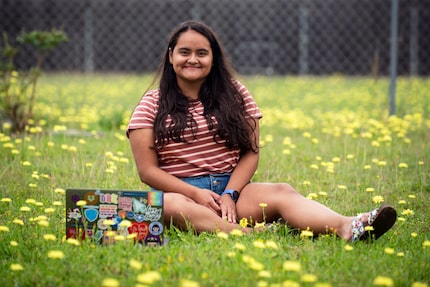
point(393, 54)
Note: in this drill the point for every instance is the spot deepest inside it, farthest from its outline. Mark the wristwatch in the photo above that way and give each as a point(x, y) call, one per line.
point(233, 193)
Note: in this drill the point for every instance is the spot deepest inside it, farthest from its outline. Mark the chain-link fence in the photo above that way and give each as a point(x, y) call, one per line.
point(261, 36)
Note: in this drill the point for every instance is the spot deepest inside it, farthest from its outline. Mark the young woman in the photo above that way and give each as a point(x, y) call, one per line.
point(196, 139)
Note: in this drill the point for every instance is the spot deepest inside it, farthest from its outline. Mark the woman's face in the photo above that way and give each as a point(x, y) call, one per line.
point(191, 58)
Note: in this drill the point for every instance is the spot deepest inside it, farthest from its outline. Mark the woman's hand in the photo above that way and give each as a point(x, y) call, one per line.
point(209, 199)
point(228, 208)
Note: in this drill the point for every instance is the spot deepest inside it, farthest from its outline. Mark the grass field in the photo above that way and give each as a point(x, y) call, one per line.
point(330, 137)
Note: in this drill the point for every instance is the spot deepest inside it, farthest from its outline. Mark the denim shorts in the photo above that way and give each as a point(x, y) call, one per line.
point(214, 182)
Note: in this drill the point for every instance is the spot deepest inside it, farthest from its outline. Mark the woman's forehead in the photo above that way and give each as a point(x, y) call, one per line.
point(191, 39)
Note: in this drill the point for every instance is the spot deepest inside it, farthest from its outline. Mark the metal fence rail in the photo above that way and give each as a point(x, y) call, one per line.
point(261, 36)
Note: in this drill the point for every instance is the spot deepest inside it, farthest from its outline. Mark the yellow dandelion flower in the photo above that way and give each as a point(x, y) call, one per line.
point(413, 196)
point(239, 246)
point(322, 193)
point(293, 266)
point(16, 267)
point(308, 278)
point(49, 210)
point(307, 134)
point(231, 254)
point(88, 164)
point(25, 208)
point(119, 237)
point(290, 283)
point(400, 254)
point(340, 186)
point(110, 282)
point(132, 236)
point(236, 232)
point(30, 201)
point(348, 247)
point(401, 219)
point(259, 225)
point(378, 199)
point(57, 203)
point(322, 284)
point(286, 151)
point(314, 166)
point(383, 281)
point(315, 140)
point(419, 284)
point(389, 250)
point(370, 189)
point(13, 243)
point(26, 163)
point(55, 254)
point(408, 212)
point(60, 191)
point(73, 241)
point(401, 201)
point(259, 244)
point(81, 203)
point(420, 162)
point(414, 234)
point(222, 235)
point(312, 195)
point(306, 182)
point(265, 274)
point(188, 283)
point(382, 163)
point(149, 277)
point(403, 165)
point(262, 204)
point(136, 265)
point(272, 244)
point(369, 228)
point(6, 199)
point(18, 221)
point(43, 223)
point(335, 159)
point(367, 166)
point(49, 237)
point(306, 234)
point(4, 228)
point(426, 243)
point(255, 265)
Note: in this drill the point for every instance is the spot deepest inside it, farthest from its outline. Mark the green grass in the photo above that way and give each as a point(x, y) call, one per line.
point(330, 137)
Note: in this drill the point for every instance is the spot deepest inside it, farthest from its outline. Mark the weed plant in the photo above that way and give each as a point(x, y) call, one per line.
point(330, 137)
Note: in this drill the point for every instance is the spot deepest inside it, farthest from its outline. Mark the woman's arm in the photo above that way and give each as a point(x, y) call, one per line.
point(247, 164)
point(240, 177)
point(142, 141)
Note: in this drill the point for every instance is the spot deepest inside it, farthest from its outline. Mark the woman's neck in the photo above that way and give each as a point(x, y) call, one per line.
point(190, 90)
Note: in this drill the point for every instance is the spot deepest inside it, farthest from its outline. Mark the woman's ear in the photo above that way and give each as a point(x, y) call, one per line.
point(170, 55)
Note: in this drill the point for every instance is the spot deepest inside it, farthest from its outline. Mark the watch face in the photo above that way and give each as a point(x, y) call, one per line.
point(235, 195)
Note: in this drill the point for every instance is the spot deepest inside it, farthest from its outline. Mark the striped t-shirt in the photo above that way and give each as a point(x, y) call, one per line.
point(199, 156)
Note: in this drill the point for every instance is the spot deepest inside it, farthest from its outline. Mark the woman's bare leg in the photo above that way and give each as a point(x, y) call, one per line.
point(299, 212)
point(185, 213)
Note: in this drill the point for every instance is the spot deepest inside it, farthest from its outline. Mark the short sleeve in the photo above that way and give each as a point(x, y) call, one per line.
point(251, 106)
point(144, 114)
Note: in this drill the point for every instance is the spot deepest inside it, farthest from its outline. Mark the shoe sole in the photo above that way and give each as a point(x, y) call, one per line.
point(383, 222)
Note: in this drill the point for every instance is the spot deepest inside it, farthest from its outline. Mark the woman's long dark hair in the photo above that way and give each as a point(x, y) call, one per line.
point(218, 95)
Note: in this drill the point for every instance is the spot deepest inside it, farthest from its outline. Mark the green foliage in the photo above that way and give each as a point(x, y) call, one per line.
point(18, 89)
point(329, 137)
